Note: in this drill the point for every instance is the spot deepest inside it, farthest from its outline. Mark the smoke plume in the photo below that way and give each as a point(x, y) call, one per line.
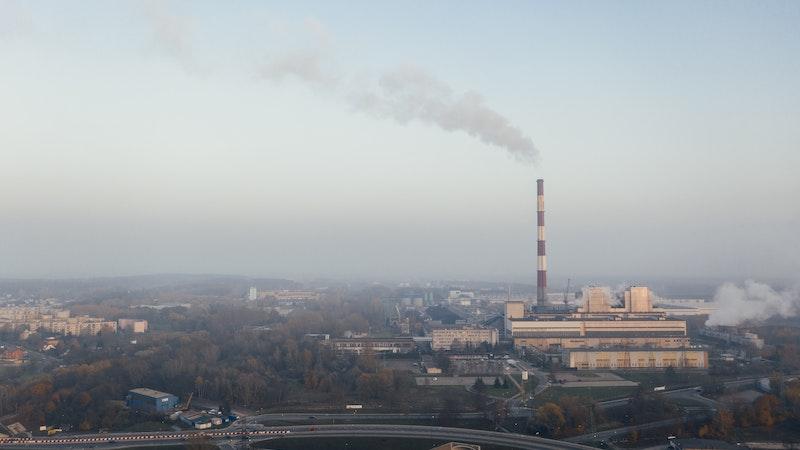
point(308, 65)
point(404, 94)
point(171, 33)
point(753, 302)
point(409, 93)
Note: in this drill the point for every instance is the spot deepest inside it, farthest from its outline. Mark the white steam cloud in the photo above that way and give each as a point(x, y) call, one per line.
point(753, 302)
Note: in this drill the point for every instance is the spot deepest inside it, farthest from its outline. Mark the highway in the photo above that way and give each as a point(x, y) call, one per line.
point(259, 433)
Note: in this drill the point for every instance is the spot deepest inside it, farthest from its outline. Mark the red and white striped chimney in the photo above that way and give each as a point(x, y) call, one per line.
point(541, 274)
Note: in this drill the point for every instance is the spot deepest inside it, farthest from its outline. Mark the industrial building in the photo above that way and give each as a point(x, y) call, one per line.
point(733, 336)
point(287, 295)
point(197, 420)
point(150, 400)
point(450, 338)
point(598, 323)
point(373, 345)
point(628, 358)
point(601, 330)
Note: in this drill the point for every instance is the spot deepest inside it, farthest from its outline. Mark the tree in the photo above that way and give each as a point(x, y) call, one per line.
point(576, 413)
point(505, 383)
point(479, 385)
point(721, 426)
point(497, 383)
point(766, 410)
point(550, 419)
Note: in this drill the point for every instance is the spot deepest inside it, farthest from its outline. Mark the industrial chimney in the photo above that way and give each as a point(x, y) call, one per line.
point(541, 274)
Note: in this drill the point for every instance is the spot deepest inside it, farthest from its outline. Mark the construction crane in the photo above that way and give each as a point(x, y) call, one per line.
point(188, 402)
point(566, 292)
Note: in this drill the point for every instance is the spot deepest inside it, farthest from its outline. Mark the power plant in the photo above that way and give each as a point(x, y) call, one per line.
point(609, 331)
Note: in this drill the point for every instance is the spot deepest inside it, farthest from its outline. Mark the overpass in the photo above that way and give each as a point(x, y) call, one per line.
point(511, 440)
point(119, 440)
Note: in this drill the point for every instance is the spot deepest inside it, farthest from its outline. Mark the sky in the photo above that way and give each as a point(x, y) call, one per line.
point(399, 139)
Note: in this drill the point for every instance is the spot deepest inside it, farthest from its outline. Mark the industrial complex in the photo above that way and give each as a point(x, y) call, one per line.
point(606, 330)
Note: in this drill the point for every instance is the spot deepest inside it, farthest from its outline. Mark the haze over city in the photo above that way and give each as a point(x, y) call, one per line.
point(402, 140)
point(513, 225)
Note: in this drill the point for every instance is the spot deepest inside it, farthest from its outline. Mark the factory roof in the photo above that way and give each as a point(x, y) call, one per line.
point(375, 339)
point(655, 333)
point(596, 317)
point(596, 334)
point(150, 392)
point(635, 349)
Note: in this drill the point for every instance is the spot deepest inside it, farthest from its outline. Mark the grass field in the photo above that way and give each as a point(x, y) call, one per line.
point(500, 392)
point(590, 394)
point(649, 380)
point(414, 398)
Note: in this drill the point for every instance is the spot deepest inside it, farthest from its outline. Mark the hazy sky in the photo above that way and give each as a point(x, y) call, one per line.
point(365, 138)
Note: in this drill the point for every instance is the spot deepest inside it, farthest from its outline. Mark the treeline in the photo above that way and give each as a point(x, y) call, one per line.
point(572, 415)
point(234, 354)
point(783, 405)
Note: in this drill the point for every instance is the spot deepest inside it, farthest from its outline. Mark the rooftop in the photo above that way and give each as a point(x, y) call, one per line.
point(150, 392)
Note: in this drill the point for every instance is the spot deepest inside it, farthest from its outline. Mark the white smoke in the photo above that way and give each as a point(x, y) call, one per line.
point(308, 65)
point(753, 302)
point(403, 94)
point(406, 94)
point(172, 33)
point(15, 19)
point(409, 93)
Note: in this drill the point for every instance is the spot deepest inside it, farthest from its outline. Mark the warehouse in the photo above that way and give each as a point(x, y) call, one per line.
point(150, 400)
point(628, 358)
point(372, 345)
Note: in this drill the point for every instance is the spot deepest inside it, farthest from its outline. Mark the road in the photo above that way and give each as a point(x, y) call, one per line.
point(684, 393)
point(541, 377)
point(516, 441)
point(603, 435)
point(306, 417)
point(258, 433)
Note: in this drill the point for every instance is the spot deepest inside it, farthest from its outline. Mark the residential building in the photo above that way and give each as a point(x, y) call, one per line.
point(133, 325)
